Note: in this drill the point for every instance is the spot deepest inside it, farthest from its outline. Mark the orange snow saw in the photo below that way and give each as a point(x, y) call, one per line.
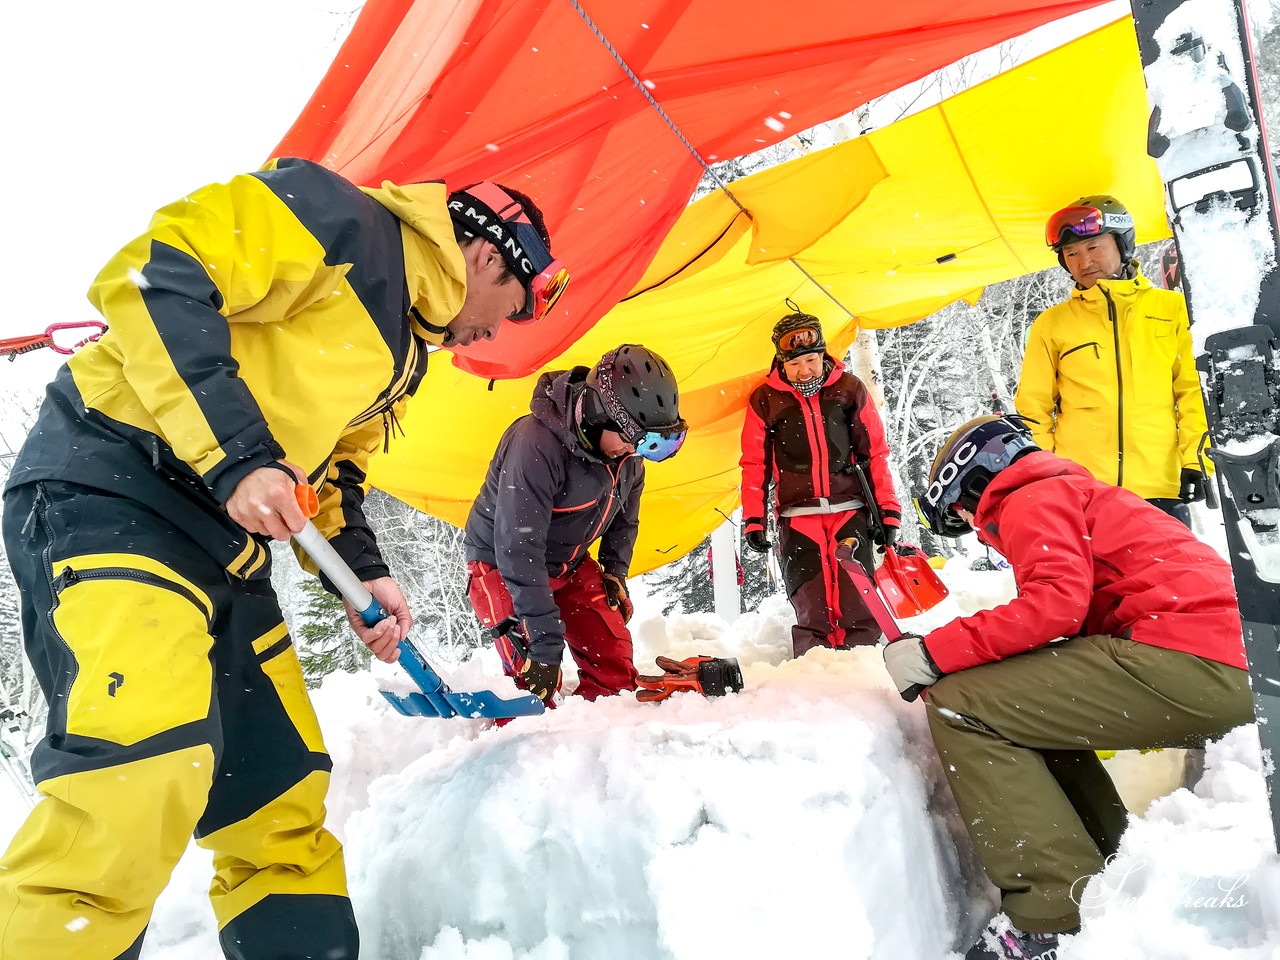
point(13, 346)
point(871, 597)
point(435, 698)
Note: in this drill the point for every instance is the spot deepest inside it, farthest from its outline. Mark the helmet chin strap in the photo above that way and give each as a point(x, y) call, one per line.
point(585, 425)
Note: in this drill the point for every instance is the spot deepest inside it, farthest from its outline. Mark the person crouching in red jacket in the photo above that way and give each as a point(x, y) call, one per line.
point(808, 425)
point(1152, 657)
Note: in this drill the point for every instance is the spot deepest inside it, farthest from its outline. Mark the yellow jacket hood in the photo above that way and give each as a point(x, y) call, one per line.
point(434, 268)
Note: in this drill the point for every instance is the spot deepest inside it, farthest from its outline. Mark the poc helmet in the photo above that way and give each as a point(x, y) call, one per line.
point(964, 466)
point(1091, 217)
point(633, 390)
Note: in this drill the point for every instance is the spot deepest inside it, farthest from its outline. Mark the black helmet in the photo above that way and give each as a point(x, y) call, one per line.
point(1091, 217)
point(971, 456)
point(633, 391)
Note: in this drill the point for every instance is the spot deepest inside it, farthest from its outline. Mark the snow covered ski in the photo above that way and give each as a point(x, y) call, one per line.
point(1207, 136)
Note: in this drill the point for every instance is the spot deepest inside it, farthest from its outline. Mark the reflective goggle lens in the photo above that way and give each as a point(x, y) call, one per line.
point(658, 446)
point(799, 339)
point(1080, 221)
point(544, 290)
point(548, 287)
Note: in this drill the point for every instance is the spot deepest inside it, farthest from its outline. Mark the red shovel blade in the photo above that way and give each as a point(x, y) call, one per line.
point(908, 584)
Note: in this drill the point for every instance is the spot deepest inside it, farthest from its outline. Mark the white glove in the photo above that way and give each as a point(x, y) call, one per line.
point(910, 665)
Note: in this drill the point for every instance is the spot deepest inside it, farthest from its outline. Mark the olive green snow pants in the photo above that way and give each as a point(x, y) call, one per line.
point(1016, 739)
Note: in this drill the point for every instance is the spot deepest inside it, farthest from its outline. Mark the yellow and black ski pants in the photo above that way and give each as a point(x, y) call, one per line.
point(176, 707)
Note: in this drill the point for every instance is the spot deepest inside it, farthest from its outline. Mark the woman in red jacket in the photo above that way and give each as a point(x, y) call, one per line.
point(808, 426)
point(1153, 658)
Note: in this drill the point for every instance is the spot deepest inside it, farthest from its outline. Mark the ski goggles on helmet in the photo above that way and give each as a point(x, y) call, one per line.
point(486, 210)
point(1081, 223)
point(663, 444)
point(652, 443)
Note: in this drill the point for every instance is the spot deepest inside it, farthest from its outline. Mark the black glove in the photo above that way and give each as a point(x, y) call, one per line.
point(757, 540)
point(1192, 485)
point(909, 664)
point(615, 590)
point(541, 679)
point(888, 534)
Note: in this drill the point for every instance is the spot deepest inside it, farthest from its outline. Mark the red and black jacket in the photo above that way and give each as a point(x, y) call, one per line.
point(806, 447)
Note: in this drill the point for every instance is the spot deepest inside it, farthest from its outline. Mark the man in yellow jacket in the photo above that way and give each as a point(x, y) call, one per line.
point(1109, 375)
point(264, 332)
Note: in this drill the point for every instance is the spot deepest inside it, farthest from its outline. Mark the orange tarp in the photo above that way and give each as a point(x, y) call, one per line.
point(891, 226)
point(528, 93)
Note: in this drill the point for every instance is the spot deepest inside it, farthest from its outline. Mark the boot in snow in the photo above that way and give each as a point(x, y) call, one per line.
point(1001, 940)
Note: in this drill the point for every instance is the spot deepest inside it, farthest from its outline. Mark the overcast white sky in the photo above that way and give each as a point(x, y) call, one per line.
point(117, 107)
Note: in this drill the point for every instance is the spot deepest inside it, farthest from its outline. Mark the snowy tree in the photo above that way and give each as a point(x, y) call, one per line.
point(427, 559)
point(326, 644)
point(17, 414)
point(1266, 48)
point(686, 585)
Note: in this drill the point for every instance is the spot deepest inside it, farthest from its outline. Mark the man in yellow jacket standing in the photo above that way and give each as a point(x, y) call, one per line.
point(1109, 375)
point(264, 332)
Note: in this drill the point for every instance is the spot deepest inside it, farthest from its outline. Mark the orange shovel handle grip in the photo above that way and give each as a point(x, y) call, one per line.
point(308, 502)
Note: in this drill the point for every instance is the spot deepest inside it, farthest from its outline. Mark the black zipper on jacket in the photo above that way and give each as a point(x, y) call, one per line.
point(38, 508)
point(1091, 343)
point(1115, 335)
point(69, 577)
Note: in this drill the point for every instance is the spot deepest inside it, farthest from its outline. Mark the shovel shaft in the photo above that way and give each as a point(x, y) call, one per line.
point(358, 595)
point(340, 575)
point(867, 590)
point(435, 699)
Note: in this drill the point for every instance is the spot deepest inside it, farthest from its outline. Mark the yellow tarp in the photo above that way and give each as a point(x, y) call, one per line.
point(969, 182)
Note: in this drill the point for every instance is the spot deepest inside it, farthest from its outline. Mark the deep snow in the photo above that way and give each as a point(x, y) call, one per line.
point(807, 816)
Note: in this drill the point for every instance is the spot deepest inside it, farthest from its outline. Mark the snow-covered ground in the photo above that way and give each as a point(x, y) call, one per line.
point(806, 816)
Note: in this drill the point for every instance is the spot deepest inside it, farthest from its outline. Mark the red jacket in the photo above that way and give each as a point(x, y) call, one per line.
point(806, 446)
point(1090, 558)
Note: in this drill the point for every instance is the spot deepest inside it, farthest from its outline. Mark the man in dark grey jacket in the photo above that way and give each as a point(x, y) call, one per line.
point(566, 475)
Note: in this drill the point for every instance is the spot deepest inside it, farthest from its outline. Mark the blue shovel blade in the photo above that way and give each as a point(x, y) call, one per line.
point(437, 700)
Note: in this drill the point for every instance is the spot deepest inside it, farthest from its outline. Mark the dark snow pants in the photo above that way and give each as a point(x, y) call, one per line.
point(1016, 739)
point(1174, 508)
point(176, 706)
point(595, 634)
point(829, 610)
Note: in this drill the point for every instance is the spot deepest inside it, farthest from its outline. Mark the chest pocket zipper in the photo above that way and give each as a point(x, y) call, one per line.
point(1092, 343)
